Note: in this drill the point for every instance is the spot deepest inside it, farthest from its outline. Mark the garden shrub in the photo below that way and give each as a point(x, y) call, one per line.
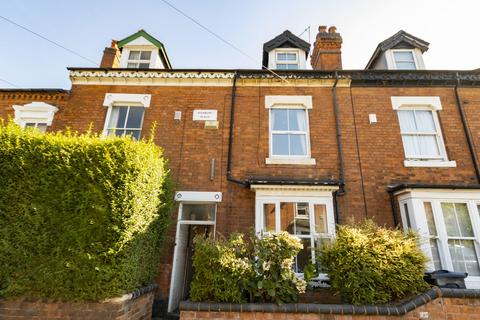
point(221, 269)
point(273, 277)
point(81, 217)
point(368, 264)
point(257, 270)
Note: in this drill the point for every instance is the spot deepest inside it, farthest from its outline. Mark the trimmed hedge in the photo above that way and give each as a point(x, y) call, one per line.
point(368, 264)
point(81, 217)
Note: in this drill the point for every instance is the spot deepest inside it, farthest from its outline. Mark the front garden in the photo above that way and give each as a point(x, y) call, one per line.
point(365, 264)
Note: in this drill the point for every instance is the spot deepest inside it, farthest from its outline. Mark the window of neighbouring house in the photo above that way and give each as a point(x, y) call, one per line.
point(125, 113)
point(420, 134)
point(289, 136)
point(404, 59)
point(40, 126)
point(420, 131)
point(38, 115)
point(138, 59)
point(449, 226)
point(287, 60)
point(126, 120)
point(309, 218)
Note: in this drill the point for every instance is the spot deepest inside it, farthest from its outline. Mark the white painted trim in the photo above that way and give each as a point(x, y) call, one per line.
point(300, 61)
point(304, 102)
point(313, 195)
point(289, 102)
point(189, 79)
point(415, 199)
point(198, 196)
point(432, 102)
point(417, 58)
point(430, 164)
point(35, 112)
point(129, 99)
point(305, 191)
point(443, 194)
point(297, 161)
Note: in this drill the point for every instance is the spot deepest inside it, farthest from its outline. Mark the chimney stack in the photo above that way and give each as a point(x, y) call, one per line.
point(111, 56)
point(327, 54)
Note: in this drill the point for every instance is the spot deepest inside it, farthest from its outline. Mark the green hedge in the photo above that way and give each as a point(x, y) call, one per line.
point(368, 264)
point(81, 217)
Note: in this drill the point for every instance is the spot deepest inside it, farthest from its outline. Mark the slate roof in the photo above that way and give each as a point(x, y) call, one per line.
point(392, 42)
point(284, 38)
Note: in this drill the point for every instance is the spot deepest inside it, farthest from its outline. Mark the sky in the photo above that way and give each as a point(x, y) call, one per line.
point(88, 26)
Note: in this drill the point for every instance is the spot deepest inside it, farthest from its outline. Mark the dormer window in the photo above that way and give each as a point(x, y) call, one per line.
point(287, 60)
point(402, 51)
point(139, 59)
point(285, 52)
point(142, 51)
point(404, 59)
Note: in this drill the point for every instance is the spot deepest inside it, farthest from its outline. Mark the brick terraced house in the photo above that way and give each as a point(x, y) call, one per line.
point(294, 149)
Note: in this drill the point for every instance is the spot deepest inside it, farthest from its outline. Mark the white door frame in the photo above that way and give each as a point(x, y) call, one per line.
point(185, 197)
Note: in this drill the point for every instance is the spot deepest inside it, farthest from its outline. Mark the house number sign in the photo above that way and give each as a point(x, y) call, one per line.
point(204, 115)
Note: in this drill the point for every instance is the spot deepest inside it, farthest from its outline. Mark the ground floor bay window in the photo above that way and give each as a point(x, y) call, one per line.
point(303, 211)
point(449, 224)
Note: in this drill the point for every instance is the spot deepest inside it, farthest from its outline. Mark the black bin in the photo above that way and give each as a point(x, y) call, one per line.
point(446, 279)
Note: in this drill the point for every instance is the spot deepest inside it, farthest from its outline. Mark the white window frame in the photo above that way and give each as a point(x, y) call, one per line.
point(313, 195)
point(124, 100)
point(417, 58)
point(139, 61)
point(405, 50)
point(124, 59)
point(415, 198)
point(35, 112)
point(289, 102)
point(301, 57)
point(434, 105)
point(287, 62)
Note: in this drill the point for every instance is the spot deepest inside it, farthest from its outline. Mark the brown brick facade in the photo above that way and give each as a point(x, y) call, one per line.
point(373, 153)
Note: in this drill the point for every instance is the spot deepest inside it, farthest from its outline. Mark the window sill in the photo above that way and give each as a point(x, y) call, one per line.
point(430, 164)
point(300, 161)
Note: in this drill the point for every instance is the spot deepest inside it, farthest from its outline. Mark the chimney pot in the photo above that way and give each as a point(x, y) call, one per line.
point(332, 29)
point(322, 29)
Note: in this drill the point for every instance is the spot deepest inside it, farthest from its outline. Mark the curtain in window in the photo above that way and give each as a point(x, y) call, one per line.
point(407, 120)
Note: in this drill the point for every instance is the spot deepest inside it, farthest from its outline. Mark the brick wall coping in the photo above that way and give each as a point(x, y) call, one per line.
point(135, 294)
point(396, 309)
point(126, 297)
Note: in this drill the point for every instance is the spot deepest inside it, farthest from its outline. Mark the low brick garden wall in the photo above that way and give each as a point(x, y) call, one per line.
point(437, 303)
point(134, 306)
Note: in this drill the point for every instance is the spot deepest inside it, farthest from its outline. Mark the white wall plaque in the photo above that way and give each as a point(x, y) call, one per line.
point(204, 115)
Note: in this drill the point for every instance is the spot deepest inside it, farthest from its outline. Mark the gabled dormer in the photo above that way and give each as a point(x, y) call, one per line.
point(138, 51)
point(285, 52)
point(402, 51)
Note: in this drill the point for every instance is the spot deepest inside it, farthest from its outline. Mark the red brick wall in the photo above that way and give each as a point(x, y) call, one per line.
point(10, 98)
point(373, 153)
point(441, 308)
point(124, 308)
